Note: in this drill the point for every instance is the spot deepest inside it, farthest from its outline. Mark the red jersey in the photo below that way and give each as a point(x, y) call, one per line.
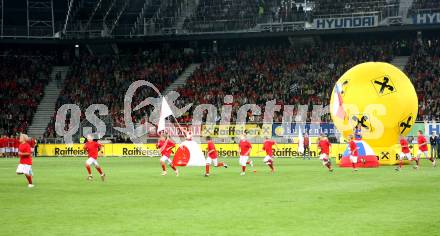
point(165, 147)
point(211, 148)
point(16, 142)
point(2, 142)
point(92, 149)
point(324, 145)
point(32, 143)
point(25, 159)
point(353, 148)
point(10, 142)
point(267, 147)
point(404, 144)
point(5, 142)
point(421, 139)
point(245, 146)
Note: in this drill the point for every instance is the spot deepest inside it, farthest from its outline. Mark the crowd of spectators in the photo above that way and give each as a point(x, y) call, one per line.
point(302, 75)
point(105, 80)
point(23, 76)
point(289, 11)
point(424, 69)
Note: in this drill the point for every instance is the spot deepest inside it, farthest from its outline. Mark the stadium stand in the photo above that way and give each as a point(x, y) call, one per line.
point(23, 75)
point(424, 70)
point(113, 75)
point(288, 11)
point(292, 75)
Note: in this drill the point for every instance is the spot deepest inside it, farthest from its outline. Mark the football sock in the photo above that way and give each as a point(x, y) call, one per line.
point(243, 168)
point(89, 170)
point(329, 166)
point(29, 178)
point(99, 170)
point(270, 164)
point(207, 169)
point(164, 168)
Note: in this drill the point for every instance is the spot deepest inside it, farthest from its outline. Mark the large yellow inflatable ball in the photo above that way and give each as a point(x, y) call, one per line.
point(379, 98)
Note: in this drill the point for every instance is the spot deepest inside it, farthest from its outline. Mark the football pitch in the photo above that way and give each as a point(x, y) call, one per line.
point(301, 198)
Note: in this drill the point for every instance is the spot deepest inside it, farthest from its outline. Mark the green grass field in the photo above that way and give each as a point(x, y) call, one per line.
point(302, 198)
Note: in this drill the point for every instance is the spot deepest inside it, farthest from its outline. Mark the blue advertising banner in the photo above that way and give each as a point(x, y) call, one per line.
point(426, 18)
point(346, 22)
point(432, 127)
point(314, 129)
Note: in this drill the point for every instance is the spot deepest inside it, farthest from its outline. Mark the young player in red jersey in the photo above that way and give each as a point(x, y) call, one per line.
point(165, 145)
point(245, 150)
point(324, 147)
point(2, 146)
point(7, 146)
point(212, 157)
point(25, 155)
point(92, 147)
point(353, 152)
point(423, 148)
point(406, 153)
point(16, 143)
point(11, 145)
point(267, 147)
